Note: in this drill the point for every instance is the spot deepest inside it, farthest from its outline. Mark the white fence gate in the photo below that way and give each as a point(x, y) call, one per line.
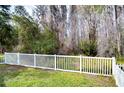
point(81, 64)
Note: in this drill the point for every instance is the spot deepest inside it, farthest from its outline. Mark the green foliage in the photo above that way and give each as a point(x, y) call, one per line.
point(120, 60)
point(31, 40)
point(98, 8)
point(89, 9)
point(7, 33)
point(88, 47)
point(48, 43)
point(28, 33)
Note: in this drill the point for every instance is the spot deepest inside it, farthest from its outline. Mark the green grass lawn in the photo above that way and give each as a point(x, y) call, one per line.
point(1, 54)
point(120, 60)
point(1, 58)
point(13, 76)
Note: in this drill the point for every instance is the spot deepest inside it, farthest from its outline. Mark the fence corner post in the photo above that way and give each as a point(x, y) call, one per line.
point(80, 63)
point(18, 59)
point(55, 62)
point(34, 60)
point(5, 58)
point(113, 65)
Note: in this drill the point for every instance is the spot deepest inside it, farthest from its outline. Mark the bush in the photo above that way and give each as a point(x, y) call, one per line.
point(32, 40)
point(47, 43)
point(88, 48)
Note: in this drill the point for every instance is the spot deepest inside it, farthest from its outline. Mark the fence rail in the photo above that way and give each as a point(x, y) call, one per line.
point(81, 64)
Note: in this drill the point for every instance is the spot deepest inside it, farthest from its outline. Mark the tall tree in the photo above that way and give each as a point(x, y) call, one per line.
point(7, 33)
point(30, 38)
point(27, 33)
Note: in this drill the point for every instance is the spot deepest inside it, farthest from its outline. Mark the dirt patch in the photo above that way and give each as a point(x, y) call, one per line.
point(15, 67)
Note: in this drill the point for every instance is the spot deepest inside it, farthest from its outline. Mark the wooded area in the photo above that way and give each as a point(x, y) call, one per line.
point(63, 29)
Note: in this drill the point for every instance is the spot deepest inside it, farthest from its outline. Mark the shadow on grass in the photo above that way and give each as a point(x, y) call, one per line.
point(8, 72)
point(2, 84)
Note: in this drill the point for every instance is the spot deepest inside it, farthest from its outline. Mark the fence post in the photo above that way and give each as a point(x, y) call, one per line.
point(5, 58)
point(18, 59)
point(80, 63)
point(113, 65)
point(34, 60)
point(55, 62)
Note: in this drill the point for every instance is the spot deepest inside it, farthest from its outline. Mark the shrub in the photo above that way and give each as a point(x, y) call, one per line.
point(47, 43)
point(88, 47)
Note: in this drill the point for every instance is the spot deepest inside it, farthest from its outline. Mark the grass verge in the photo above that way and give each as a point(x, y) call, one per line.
point(18, 76)
point(120, 60)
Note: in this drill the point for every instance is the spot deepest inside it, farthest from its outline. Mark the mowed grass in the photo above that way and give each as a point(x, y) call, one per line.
point(120, 60)
point(18, 76)
point(1, 54)
point(1, 58)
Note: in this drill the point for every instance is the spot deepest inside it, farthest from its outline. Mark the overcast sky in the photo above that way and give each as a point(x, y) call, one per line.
point(27, 7)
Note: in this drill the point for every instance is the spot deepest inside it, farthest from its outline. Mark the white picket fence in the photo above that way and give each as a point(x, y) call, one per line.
point(81, 64)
